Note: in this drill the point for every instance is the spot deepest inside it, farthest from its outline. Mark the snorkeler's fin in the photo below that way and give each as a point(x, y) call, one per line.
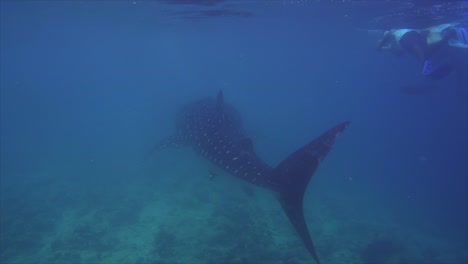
point(427, 67)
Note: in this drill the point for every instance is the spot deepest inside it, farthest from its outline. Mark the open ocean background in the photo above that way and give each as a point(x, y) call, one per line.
point(87, 87)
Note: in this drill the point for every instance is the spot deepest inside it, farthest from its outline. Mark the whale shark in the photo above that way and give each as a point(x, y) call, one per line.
point(213, 128)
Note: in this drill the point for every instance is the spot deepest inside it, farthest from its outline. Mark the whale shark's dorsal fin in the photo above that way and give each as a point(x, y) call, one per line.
point(219, 101)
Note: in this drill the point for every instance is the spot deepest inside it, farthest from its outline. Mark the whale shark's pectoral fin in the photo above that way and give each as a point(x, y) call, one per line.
point(246, 144)
point(220, 101)
point(246, 148)
point(174, 141)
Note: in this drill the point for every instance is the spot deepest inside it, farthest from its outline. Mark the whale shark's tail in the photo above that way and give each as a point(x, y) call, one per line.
point(293, 175)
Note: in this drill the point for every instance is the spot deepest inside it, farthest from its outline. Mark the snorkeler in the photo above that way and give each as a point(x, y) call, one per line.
point(424, 43)
point(399, 41)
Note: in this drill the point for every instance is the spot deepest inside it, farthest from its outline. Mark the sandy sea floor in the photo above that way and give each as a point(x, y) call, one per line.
point(171, 212)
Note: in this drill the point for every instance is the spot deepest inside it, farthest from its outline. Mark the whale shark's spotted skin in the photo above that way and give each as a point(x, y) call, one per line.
point(213, 129)
point(217, 136)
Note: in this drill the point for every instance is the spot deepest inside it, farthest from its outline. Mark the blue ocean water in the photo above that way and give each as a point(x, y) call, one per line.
point(87, 87)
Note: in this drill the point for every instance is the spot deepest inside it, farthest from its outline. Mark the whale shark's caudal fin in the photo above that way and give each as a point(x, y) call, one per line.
point(293, 175)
